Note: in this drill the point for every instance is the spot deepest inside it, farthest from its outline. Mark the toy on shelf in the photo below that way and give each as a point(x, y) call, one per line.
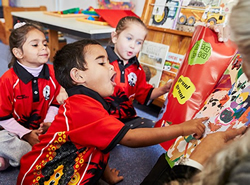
point(93, 20)
point(90, 11)
point(107, 17)
point(93, 17)
point(72, 12)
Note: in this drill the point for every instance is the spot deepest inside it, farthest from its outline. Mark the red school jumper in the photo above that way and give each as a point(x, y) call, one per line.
point(130, 84)
point(75, 149)
point(27, 98)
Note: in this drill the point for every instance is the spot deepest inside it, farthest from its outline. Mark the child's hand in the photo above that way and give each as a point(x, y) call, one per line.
point(62, 96)
point(111, 175)
point(32, 137)
point(114, 177)
point(168, 85)
point(44, 127)
point(194, 126)
point(161, 90)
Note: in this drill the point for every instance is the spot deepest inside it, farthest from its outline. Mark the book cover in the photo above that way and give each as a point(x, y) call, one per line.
point(227, 107)
point(193, 13)
point(171, 66)
point(152, 58)
point(165, 13)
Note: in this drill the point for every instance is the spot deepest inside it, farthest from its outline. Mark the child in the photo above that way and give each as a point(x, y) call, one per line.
point(75, 149)
point(131, 82)
point(28, 94)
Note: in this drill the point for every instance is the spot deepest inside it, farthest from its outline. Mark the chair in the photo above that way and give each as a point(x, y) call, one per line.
point(5, 27)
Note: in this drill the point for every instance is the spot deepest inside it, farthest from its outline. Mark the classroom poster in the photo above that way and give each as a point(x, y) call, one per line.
point(165, 13)
point(152, 58)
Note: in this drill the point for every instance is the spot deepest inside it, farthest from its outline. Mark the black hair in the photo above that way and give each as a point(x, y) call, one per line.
point(69, 57)
point(18, 37)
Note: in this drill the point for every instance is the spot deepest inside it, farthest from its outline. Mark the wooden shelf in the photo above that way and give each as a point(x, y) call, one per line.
point(171, 31)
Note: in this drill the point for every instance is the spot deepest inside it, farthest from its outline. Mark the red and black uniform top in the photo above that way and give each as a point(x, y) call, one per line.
point(75, 149)
point(130, 84)
point(27, 98)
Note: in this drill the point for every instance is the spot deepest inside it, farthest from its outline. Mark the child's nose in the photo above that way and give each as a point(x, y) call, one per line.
point(132, 44)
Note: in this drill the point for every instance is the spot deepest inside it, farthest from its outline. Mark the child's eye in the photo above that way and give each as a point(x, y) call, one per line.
point(34, 45)
point(129, 38)
point(45, 45)
point(139, 42)
point(102, 63)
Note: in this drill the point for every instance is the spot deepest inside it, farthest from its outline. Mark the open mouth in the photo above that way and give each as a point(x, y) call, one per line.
point(130, 53)
point(113, 79)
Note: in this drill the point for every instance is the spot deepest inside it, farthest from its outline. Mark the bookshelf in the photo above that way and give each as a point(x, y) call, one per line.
point(178, 41)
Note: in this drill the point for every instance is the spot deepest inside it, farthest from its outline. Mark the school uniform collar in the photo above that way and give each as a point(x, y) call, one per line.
point(113, 57)
point(80, 89)
point(25, 76)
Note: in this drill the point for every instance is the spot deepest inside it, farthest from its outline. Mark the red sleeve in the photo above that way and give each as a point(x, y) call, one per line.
point(89, 124)
point(143, 89)
point(6, 98)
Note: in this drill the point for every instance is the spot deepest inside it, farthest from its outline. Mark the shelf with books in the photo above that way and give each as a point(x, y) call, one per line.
point(178, 41)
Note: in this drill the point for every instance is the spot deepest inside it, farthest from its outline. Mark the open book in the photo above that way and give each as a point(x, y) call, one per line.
point(228, 106)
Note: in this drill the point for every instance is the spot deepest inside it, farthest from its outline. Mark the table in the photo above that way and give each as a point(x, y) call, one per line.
point(65, 25)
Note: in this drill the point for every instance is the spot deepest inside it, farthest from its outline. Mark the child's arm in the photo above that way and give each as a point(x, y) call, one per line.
point(50, 116)
point(11, 125)
point(161, 90)
point(61, 96)
point(111, 175)
point(141, 137)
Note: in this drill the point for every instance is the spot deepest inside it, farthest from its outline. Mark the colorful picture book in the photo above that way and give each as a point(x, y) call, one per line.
point(227, 107)
point(203, 66)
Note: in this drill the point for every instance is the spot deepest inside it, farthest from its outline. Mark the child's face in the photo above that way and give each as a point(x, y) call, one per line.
point(35, 51)
point(129, 42)
point(99, 75)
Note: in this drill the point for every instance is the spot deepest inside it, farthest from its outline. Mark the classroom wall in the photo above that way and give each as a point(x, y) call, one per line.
point(54, 5)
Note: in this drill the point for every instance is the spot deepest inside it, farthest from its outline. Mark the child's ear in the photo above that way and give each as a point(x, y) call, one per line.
point(76, 76)
point(114, 37)
point(17, 53)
